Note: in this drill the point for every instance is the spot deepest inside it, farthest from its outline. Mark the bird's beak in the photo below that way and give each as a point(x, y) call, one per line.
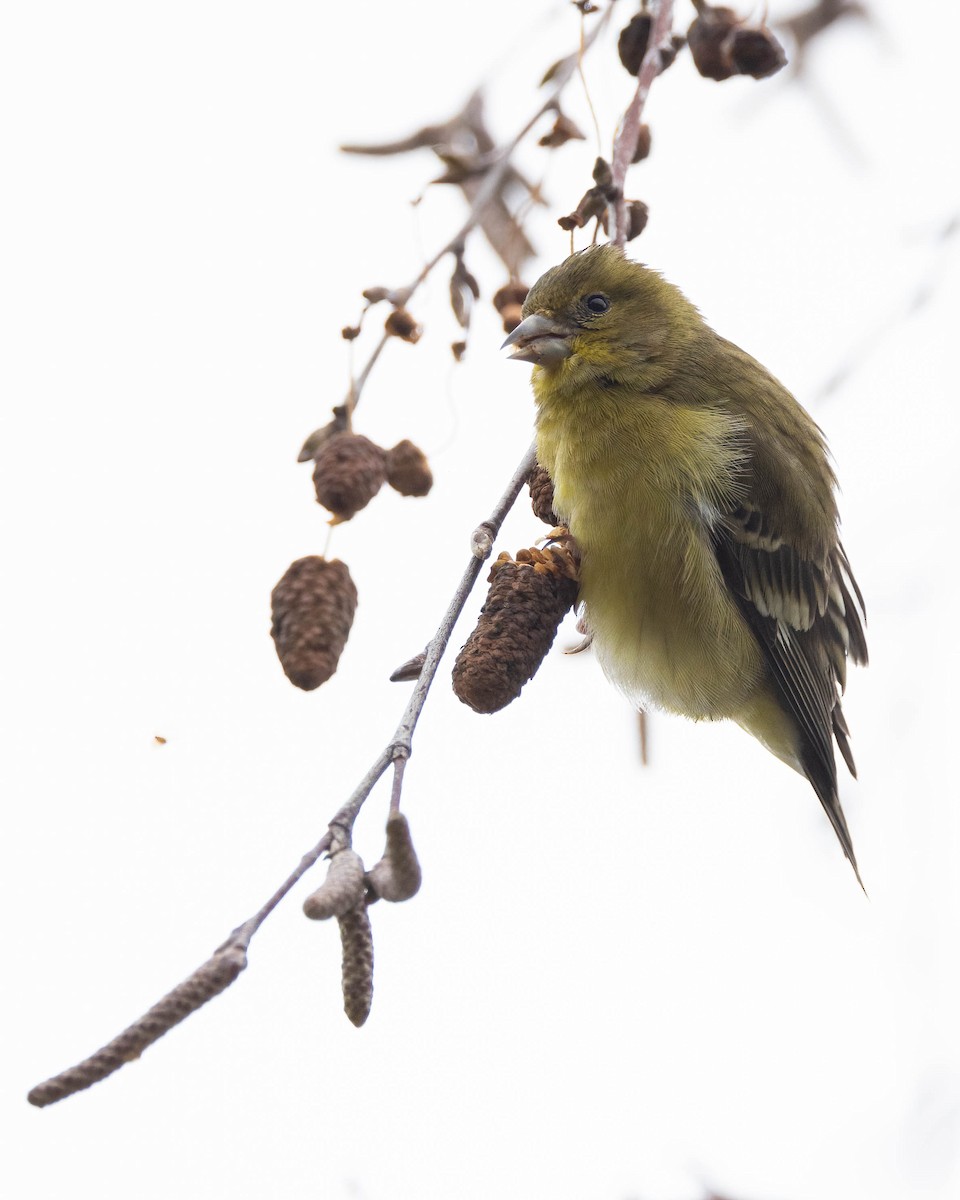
point(541, 340)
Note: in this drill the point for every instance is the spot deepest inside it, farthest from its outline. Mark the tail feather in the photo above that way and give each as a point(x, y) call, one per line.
point(824, 783)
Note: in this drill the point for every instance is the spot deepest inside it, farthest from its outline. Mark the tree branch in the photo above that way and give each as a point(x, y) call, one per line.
point(225, 964)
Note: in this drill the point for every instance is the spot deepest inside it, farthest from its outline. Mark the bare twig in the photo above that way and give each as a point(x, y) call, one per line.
point(226, 963)
point(625, 143)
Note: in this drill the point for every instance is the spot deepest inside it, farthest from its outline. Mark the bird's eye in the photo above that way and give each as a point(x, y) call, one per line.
point(597, 303)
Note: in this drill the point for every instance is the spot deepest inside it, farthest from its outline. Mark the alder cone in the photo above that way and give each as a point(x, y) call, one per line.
point(408, 470)
point(348, 472)
point(541, 496)
point(527, 600)
point(313, 607)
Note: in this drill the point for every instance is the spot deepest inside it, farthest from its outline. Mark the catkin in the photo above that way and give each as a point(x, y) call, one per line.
point(397, 875)
point(342, 889)
point(541, 496)
point(356, 939)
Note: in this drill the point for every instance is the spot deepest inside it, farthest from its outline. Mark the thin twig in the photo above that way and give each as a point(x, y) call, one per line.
point(398, 767)
point(625, 144)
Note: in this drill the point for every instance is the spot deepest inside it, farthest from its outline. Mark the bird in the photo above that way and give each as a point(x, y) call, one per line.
point(701, 499)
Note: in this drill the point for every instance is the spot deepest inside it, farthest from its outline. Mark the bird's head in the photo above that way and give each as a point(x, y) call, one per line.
point(598, 313)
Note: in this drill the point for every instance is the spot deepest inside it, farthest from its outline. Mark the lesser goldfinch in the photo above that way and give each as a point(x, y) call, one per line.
point(701, 499)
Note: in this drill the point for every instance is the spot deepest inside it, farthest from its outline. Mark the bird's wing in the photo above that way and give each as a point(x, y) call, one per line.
point(806, 614)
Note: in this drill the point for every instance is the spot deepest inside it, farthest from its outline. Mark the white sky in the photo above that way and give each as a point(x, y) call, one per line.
point(616, 983)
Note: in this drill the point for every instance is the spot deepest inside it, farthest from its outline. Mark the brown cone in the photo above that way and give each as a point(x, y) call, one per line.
point(541, 496)
point(403, 325)
point(512, 293)
point(348, 472)
point(527, 600)
point(313, 607)
point(408, 470)
point(722, 44)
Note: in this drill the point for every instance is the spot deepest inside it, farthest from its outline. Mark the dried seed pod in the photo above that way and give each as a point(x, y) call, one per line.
point(722, 44)
point(603, 178)
point(541, 496)
point(633, 40)
point(348, 472)
point(342, 889)
point(512, 292)
point(757, 53)
point(408, 470)
point(527, 600)
point(644, 142)
point(313, 607)
point(710, 39)
point(401, 324)
point(464, 289)
point(397, 876)
point(592, 204)
point(459, 350)
point(350, 333)
point(356, 939)
point(637, 216)
point(564, 130)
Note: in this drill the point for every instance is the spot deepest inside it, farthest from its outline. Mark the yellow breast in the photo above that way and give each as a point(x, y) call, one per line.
point(639, 503)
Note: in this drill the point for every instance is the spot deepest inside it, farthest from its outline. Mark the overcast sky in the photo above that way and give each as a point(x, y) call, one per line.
point(617, 983)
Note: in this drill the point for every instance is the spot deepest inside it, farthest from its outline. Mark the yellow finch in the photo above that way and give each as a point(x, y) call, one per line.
point(702, 501)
